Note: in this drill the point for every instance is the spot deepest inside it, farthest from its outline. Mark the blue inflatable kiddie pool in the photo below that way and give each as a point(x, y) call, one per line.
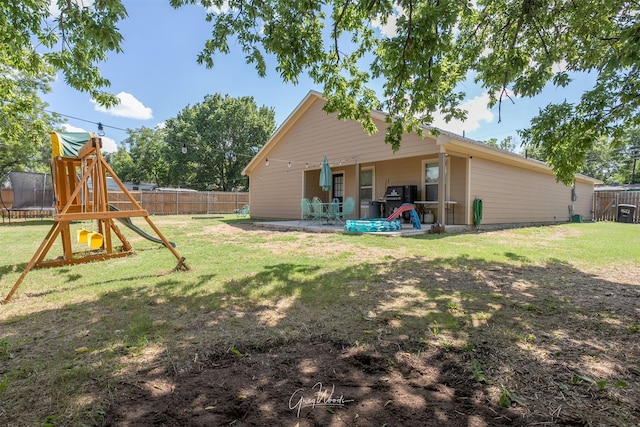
point(370, 225)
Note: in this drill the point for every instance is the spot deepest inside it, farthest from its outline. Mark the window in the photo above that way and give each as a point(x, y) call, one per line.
point(366, 184)
point(431, 173)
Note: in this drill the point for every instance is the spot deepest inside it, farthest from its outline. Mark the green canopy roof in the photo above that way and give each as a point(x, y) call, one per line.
point(67, 144)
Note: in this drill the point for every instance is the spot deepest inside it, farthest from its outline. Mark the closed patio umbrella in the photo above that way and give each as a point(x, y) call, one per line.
point(325, 175)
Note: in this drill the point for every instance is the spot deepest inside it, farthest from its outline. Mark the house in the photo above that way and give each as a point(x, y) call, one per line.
point(448, 173)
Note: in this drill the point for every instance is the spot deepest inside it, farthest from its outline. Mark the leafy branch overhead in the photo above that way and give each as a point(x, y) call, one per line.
point(43, 36)
point(38, 38)
point(418, 51)
point(428, 47)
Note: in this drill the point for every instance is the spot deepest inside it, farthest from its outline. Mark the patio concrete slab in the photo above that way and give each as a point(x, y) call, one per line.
point(315, 227)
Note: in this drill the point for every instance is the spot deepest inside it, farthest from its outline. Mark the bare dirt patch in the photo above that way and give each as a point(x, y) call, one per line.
point(539, 345)
point(314, 384)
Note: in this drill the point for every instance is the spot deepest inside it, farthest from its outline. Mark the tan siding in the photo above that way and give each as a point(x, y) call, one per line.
point(350, 189)
point(514, 190)
point(584, 203)
point(276, 189)
point(317, 134)
point(457, 191)
point(513, 195)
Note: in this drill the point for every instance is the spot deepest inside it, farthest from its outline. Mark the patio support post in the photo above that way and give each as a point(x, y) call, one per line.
point(303, 191)
point(442, 216)
point(357, 181)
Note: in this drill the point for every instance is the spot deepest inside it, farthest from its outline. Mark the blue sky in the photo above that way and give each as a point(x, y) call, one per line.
point(157, 76)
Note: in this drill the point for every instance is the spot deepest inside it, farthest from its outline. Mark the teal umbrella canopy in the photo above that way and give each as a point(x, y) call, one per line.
point(325, 175)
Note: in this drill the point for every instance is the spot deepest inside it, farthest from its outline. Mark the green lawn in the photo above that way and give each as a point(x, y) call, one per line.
point(555, 299)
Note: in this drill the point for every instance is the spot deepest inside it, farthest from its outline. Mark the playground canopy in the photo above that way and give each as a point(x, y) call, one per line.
point(67, 144)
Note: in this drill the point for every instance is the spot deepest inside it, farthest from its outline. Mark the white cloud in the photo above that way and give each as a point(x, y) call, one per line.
point(390, 28)
point(54, 10)
point(70, 128)
point(108, 145)
point(559, 66)
point(129, 107)
point(477, 111)
point(219, 10)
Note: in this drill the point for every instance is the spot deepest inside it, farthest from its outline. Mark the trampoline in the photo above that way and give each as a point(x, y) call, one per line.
point(31, 192)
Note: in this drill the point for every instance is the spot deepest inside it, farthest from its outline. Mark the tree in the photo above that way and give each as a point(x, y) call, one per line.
point(608, 160)
point(629, 155)
point(122, 164)
point(506, 144)
point(36, 40)
point(512, 47)
point(142, 157)
point(603, 161)
point(41, 36)
point(220, 136)
point(24, 131)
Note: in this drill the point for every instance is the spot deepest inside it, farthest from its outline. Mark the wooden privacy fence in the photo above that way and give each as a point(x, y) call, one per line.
point(155, 202)
point(181, 202)
point(605, 204)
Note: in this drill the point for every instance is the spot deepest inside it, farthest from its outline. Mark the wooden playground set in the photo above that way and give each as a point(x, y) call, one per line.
point(79, 179)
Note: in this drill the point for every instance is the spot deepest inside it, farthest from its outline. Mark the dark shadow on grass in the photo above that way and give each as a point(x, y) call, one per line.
point(397, 339)
point(80, 287)
point(12, 268)
point(515, 257)
point(242, 223)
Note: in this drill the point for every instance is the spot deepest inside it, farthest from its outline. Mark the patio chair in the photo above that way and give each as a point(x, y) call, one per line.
point(347, 209)
point(333, 213)
point(317, 209)
point(305, 206)
point(243, 212)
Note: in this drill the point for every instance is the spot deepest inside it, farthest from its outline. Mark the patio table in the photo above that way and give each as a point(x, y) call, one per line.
point(332, 211)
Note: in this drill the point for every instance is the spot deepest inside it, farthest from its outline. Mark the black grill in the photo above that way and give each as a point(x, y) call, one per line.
point(397, 195)
point(394, 194)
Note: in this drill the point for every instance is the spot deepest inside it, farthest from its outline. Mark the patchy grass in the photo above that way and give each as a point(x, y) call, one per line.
point(525, 315)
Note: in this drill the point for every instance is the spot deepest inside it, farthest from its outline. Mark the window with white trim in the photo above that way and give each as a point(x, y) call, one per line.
point(366, 184)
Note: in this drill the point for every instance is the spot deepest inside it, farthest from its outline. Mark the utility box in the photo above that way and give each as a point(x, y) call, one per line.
point(576, 218)
point(625, 213)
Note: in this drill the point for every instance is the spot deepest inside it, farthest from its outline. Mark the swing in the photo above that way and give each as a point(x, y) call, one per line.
point(94, 240)
point(82, 235)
